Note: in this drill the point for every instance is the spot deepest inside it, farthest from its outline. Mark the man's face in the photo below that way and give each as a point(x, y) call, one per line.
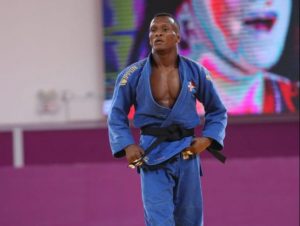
point(249, 31)
point(163, 33)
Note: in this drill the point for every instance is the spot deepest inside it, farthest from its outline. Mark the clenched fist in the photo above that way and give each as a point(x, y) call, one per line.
point(133, 152)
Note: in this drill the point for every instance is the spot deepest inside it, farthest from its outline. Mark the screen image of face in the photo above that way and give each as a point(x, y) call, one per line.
point(239, 41)
point(249, 32)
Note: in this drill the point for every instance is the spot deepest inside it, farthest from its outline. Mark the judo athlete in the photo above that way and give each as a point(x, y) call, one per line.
point(162, 89)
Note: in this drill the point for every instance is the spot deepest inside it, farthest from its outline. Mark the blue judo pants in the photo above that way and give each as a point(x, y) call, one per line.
point(172, 193)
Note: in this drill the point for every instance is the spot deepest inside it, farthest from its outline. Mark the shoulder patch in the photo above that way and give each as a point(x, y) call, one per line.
point(208, 75)
point(129, 72)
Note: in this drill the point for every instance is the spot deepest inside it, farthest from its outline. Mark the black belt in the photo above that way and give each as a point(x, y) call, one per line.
point(172, 133)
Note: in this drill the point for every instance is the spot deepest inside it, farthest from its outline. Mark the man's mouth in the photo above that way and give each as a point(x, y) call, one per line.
point(261, 21)
point(158, 41)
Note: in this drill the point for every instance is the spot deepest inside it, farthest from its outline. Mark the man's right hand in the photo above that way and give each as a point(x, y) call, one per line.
point(133, 152)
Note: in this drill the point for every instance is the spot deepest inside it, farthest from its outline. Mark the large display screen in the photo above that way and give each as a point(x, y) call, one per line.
point(251, 48)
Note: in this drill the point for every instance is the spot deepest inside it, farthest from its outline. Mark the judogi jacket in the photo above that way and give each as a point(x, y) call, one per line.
point(133, 88)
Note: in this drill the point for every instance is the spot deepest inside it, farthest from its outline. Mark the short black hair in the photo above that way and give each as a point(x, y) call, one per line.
point(168, 15)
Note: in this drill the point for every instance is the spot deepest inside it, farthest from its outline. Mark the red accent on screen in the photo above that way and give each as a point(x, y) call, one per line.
point(289, 91)
point(269, 101)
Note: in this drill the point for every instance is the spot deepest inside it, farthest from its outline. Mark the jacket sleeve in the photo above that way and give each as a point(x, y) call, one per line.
point(120, 135)
point(215, 112)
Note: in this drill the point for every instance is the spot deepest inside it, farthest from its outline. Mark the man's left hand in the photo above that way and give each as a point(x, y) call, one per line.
point(198, 145)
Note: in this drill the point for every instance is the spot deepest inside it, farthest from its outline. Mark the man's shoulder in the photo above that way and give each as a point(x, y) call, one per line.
point(191, 62)
point(134, 66)
point(282, 84)
point(187, 59)
point(198, 69)
point(279, 79)
point(131, 71)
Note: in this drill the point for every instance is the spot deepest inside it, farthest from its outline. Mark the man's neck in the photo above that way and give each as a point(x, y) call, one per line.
point(165, 60)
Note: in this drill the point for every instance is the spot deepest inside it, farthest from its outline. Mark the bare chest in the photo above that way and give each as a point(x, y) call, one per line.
point(165, 86)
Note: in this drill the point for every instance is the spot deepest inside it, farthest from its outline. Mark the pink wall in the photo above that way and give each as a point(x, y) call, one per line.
point(70, 179)
point(6, 148)
point(91, 145)
point(244, 192)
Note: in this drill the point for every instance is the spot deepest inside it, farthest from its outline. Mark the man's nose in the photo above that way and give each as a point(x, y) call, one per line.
point(158, 33)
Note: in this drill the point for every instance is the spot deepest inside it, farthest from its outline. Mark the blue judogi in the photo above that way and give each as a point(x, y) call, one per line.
point(133, 88)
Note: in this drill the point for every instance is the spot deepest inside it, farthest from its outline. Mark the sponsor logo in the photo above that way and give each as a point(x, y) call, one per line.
point(125, 77)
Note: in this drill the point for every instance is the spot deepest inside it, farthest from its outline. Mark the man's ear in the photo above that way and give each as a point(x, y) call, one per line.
point(178, 37)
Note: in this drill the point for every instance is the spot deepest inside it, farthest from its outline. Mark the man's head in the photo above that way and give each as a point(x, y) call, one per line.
point(163, 32)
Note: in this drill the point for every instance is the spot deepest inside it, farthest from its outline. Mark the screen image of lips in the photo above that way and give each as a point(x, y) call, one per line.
point(261, 21)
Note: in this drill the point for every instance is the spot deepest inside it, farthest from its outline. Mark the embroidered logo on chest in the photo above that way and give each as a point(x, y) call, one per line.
point(192, 86)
